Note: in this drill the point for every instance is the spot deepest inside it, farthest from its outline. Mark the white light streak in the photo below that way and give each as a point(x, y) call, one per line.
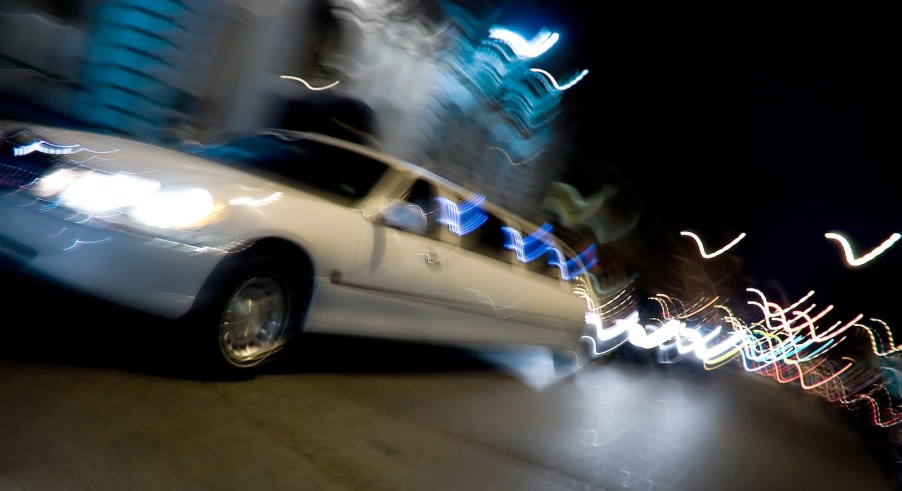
point(847, 248)
point(538, 45)
point(248, 201)
point(554, 82)
point(701, 247)
point(298, 79)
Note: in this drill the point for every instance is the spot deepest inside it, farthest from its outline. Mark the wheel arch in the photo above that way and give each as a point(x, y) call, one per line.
point(290, 254)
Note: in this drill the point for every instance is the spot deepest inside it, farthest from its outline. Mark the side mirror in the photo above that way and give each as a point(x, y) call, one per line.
point(405, 216)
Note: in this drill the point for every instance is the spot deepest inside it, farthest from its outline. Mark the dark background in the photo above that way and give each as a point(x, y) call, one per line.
point(783, 124)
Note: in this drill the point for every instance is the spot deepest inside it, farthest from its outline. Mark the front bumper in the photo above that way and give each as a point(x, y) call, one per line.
point(137, 270)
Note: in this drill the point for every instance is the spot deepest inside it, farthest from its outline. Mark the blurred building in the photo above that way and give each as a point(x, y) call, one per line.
point(421, 79)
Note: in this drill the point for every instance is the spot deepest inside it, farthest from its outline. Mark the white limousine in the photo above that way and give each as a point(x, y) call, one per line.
point(255, 239)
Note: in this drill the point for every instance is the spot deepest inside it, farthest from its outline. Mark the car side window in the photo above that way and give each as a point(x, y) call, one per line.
point(536, 263)
point(338, 171)
point(488, 239)
point(423, 195)
point(541, 265)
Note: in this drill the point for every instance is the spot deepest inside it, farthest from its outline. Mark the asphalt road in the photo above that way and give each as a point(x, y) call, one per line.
point(89, 401)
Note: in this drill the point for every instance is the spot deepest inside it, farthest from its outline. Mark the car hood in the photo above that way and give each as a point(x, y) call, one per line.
point(118, 155)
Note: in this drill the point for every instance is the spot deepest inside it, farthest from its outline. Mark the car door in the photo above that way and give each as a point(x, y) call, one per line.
point(394, 286)
point(502, 301)
point(553, 274)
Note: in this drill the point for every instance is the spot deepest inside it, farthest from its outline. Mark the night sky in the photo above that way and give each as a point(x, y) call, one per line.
point(781, 124)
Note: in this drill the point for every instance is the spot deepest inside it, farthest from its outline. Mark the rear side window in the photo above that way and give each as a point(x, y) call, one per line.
point(531, 247)
point(488, 239)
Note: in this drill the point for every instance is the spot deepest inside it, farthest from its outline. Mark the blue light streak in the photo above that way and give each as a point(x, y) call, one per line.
point(464, 218)
point(532, 246)
point(574, 267)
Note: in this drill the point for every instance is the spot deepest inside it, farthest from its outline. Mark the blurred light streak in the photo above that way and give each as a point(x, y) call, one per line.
point(765, 306)
point(875, 340)
point(621, 326)
point(652, 336)
point(32, 71)
point(847, 248)
point(701, 247)
point(540, 242)
point(46, 19)
point(523, 49)
point(78, 242)
point(895, 419)
point(594, 350)
point(517, 164)
point(307, 84)
point(464, 218)
point(573, 267)
point(661, 297)
point(533, 246)
point(487, 299)
point(785, 344)
point(554, 83)
point(245, 200)
point(810, 324)
point(44, 146)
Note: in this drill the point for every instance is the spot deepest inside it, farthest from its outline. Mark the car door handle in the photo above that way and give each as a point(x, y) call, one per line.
point(433, 259)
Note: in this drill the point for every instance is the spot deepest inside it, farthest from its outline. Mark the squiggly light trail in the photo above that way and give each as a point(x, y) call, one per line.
point(701, 247)
point(523, 49)
point(553, 81)
point(540, 242)
point(847, 248)
point(785, 344)
point(531, 247)
point(307, 84)
point(465, 217)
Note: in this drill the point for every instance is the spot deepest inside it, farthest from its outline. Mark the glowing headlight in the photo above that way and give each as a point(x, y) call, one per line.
point(141, 199)
point(97, 193)
point(176, 209)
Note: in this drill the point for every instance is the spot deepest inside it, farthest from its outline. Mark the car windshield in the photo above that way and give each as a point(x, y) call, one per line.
point(336, 173)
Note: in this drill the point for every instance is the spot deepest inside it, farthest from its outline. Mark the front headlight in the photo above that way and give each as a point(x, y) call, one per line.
point(179, 208)
point(143, 200)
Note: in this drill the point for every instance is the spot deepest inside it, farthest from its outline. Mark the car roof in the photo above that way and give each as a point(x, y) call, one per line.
point(397, 163)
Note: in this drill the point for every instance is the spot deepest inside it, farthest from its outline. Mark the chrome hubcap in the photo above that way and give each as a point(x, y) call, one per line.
point(254, 323)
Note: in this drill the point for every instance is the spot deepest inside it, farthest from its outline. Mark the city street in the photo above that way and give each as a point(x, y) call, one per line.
point(691, 160)
point(87, 403)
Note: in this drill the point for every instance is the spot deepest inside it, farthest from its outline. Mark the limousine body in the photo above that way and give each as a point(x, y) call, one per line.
point(252, 240)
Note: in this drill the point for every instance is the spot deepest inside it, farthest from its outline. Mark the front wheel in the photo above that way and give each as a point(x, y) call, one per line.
point(252, 308)
point(254, 321)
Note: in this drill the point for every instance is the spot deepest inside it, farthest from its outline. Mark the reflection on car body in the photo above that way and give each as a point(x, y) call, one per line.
point(254, 238)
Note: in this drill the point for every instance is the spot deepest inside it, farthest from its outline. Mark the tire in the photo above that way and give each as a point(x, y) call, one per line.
point(250, 310)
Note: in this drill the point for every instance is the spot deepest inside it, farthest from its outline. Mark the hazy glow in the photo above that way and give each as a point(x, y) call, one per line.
point(56, 181)
point(141, 199)
point(99, 193)
point(174, 209)
point(847, 248)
